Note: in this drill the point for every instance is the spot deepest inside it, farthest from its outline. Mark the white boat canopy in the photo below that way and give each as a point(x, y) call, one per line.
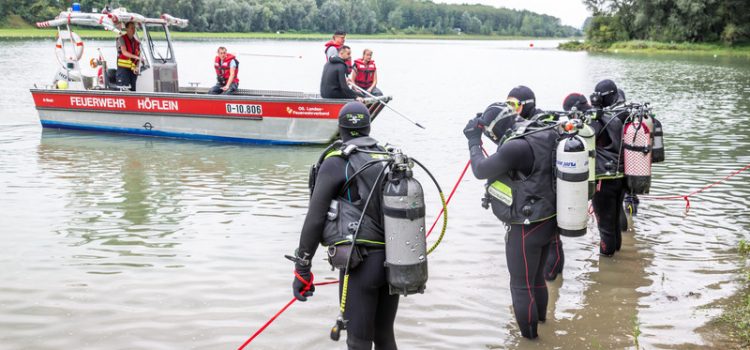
point(112, 20)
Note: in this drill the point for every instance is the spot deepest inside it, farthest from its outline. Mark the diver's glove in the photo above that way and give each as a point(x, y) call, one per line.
point(473, 132)
point(302, 286)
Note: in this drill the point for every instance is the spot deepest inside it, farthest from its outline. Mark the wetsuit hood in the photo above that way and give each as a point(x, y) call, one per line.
point(354, 120)
point(577, 101)
point(526, 97)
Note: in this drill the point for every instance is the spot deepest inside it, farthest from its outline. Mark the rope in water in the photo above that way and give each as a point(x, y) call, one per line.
point(695, 192)
point(268, 323)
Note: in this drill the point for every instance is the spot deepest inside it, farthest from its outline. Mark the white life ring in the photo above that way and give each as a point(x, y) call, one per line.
point(69, 47)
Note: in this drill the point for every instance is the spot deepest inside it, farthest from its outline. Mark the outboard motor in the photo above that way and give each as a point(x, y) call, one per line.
point(636, 142)
point(657, 154)
point(572, 173)
point(404, 221)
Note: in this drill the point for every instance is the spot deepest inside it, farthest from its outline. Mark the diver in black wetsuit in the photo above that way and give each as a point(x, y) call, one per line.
point(370, 309)
point(519, 188)
point(523, 101)
point(333, 83)
point(607, 201)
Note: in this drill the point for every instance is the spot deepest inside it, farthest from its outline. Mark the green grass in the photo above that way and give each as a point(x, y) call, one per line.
point(34, 33)
point(737, 314)
point(641, 46)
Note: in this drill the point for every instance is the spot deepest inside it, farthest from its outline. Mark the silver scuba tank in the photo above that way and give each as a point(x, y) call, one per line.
point(572, 173)
point(404, 224)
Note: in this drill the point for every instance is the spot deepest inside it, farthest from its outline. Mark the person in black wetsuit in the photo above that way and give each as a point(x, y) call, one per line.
point(607, 201)
point(370, 309)
point(333, 83)
point(519, 188)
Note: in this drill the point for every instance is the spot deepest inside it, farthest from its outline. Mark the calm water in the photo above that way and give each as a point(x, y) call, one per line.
point(141, 243)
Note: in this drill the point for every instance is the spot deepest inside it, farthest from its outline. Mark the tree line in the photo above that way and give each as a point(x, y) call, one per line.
point(669, 21)
point(353, 16)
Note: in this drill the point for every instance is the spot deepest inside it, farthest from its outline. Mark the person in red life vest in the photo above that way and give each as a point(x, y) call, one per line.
point(227, 69)
point(366, 74)
point(333, 46)
point(128, 56)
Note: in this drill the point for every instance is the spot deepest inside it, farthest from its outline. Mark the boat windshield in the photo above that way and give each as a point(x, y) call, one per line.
point(159, 44)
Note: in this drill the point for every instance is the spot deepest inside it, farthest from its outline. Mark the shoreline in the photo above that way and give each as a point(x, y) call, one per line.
point(653, 47)
point(34, 33)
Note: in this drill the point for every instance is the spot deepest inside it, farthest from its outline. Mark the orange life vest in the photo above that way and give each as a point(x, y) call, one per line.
point(365, 73)
point(134, 47)
point(223, 68)
point(337, 46)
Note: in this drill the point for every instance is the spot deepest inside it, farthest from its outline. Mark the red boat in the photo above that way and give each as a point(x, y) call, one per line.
point(160, 107)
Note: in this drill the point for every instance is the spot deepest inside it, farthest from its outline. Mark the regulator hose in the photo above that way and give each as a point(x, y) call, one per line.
point(442, 201)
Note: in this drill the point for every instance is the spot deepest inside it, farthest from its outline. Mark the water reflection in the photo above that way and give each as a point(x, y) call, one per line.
point(136, 197)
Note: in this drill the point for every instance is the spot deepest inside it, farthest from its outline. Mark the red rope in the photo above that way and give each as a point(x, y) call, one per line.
point(686, 197)
point(449, 197)
point(307, 287)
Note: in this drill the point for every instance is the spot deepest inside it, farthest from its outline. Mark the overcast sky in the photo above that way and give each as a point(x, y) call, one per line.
point(570, 12)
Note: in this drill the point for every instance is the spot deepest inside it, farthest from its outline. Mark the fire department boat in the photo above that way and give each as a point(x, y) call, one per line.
point(160, 106)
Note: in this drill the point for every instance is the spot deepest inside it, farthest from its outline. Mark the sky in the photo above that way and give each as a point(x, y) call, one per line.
point(570, 12)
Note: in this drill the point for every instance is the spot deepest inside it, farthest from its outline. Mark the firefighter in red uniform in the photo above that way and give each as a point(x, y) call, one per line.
point(128, 56)
point(366, 74)
point(227, 69)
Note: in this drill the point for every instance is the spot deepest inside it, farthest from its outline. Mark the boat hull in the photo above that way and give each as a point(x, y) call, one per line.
point(266, 120)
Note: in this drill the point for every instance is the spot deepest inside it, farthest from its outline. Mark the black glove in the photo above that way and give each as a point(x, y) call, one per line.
point(473, 132)
point(303, 286)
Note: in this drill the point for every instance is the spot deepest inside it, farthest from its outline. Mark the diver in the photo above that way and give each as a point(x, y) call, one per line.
point(520, 177)
point(370, 308)
point(608, 199)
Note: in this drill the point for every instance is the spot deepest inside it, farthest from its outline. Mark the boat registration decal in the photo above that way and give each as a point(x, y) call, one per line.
point(244, 109)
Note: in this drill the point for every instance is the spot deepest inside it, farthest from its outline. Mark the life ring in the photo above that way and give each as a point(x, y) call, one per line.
point(69, 47)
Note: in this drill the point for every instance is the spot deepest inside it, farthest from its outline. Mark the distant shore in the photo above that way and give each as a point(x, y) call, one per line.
point(640, 46)
point(34, 33)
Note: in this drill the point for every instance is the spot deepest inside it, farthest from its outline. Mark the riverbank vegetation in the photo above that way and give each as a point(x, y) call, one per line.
point(388, 17)
point(720, 27)
point(736, 316)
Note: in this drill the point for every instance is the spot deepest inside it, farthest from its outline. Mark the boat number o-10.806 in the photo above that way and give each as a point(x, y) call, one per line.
point(234, 108)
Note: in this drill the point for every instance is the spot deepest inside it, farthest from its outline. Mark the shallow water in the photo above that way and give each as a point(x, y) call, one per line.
point(129, 242)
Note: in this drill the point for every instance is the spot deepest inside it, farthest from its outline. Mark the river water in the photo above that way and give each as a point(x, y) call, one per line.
point(124, 242)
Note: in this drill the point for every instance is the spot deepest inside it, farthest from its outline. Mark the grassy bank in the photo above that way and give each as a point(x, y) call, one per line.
point(34, 33)
point(640, 46)
point(731, 330)
point(737, 314)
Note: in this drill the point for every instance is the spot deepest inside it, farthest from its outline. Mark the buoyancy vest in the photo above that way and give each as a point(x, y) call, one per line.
point(608, 128)
point(223, 68)
point(346, 209)
point(337, 46)
point(365, 73)
point(132, 46)
point(520, 199)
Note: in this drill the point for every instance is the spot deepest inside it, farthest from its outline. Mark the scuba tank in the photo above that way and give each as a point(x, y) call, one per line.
point(636, 142)
point(404, 223)
point(589, 135)
point(657, 154)
point(572, 173)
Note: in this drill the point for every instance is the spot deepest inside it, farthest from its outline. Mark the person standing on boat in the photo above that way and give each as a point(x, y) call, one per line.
point(370, 308)
point(366, 73)
point(333, 46)
point(520, 178)
point(128, 57)
point(333, 83)
point(227, 70)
